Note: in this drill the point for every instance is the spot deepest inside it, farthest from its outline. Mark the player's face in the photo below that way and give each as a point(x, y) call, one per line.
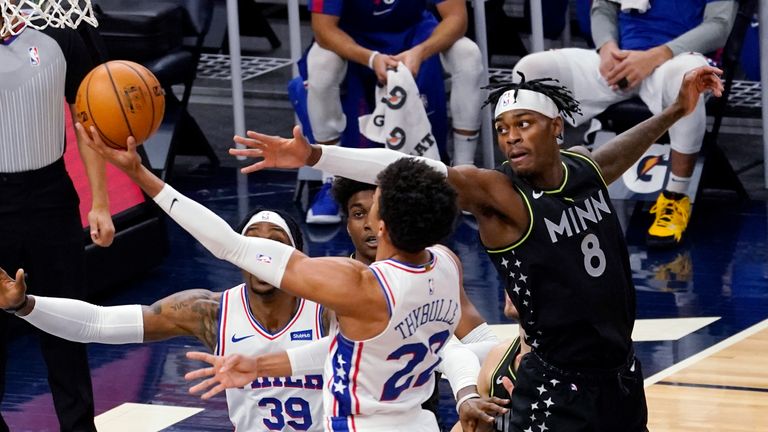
point(358, 226)
point(270, 231)
point(373, 215)
point(528, 140)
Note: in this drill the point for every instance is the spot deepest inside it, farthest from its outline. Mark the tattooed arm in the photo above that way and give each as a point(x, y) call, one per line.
point(186, 313)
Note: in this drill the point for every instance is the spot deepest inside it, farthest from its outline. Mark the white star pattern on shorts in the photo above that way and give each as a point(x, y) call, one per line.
point(338, 387)
point(340, 373)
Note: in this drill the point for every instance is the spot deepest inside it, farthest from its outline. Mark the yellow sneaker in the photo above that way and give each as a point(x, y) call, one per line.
point(671, 220)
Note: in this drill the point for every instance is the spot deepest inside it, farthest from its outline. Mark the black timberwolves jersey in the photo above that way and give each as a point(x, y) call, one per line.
point(569, 273)
point(505, 368)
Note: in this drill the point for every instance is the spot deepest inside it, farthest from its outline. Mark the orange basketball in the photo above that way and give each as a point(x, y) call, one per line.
point(120, 98)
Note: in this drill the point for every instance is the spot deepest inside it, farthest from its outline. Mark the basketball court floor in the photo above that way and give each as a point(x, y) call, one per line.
point(701, 334)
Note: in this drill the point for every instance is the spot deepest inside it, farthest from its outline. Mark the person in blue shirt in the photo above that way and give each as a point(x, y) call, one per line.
point(380, 34)
point(644, 49)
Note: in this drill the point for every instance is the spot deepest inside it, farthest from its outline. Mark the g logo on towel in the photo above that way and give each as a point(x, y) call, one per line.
point(396, 138)
point(396, 99)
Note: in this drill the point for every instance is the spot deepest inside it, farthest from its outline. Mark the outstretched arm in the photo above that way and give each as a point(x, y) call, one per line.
point(474, 186)
point(338, 283)
point(99, 218)
point(618, 154)
point(186, 313)
point(235, 370)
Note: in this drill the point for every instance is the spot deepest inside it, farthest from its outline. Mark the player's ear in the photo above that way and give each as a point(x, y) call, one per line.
point(558, 127)
point(382, 228)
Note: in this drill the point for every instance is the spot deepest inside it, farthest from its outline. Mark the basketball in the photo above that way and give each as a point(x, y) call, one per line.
point(121, 99)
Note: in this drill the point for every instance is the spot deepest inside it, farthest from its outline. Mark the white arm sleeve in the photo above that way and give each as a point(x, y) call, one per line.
point(266, 259)
point(480, 341)
point(364, 165)
point(309, 358)
point(459, 365)
point(79, 321)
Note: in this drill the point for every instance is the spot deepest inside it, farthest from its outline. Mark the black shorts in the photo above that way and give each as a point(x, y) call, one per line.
point(547, 398)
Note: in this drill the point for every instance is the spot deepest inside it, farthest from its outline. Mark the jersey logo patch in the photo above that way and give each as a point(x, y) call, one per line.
point(236, 339)
point(34, 56)
point(301, 335)
point(537, 194)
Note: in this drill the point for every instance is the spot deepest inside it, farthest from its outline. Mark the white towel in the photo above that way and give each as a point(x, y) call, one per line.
point(399, 120)
point(639, 5)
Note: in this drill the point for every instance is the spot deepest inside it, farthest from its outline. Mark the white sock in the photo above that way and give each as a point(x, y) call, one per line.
point(464, 147)
point(678, 184)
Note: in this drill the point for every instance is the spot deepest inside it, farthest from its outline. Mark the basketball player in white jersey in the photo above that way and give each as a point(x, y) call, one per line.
point(392, 319)
point(250, 318)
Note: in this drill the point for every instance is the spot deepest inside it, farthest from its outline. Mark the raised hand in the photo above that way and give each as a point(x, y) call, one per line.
point(232, 371)
point(127, 160)
point(695, 82)
point(12, 291)
point(277, 152)
point(478, 413)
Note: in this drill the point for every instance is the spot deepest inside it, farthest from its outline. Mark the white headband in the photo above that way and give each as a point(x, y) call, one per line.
point(526, 100)
point(273, 218)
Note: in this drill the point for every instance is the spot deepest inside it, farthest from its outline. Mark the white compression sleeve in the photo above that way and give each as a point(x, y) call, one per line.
point(309, 358)
point(480, 341)
point(480, 333)
point(459, 365)
point(364, 165)
point(79, 321)
point(264, 258)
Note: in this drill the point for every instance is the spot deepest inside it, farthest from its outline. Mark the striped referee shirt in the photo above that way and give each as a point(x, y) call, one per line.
point(39, 70)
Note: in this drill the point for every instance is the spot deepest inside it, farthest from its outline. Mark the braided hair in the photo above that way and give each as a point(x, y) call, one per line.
point(550, 87)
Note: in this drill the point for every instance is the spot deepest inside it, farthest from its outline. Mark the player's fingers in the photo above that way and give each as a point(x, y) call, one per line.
point(201, 356)
point(250, 152)
point(260, 138)
point(213, 392)
point(247, 142)
point(493, 407)
point(200, 373)
point(202, 386)
point(507, 383)
point(254, 167)
point(499, 401)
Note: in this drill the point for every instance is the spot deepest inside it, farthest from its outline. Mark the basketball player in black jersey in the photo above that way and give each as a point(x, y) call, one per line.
point(548, 224)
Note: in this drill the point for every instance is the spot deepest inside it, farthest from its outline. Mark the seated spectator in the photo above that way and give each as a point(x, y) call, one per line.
point(379, 35)
point(645, 51)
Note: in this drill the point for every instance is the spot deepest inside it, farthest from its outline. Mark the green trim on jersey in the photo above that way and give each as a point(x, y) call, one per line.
point(591, 162)
point(514, 347)
point(562, 184)
point(527, 233)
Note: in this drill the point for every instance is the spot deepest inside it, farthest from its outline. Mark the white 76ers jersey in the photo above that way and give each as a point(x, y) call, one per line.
point(270, 404)
point(379, 384)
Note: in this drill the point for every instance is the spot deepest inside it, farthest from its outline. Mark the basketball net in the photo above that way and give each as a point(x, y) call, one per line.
point(40, 14)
